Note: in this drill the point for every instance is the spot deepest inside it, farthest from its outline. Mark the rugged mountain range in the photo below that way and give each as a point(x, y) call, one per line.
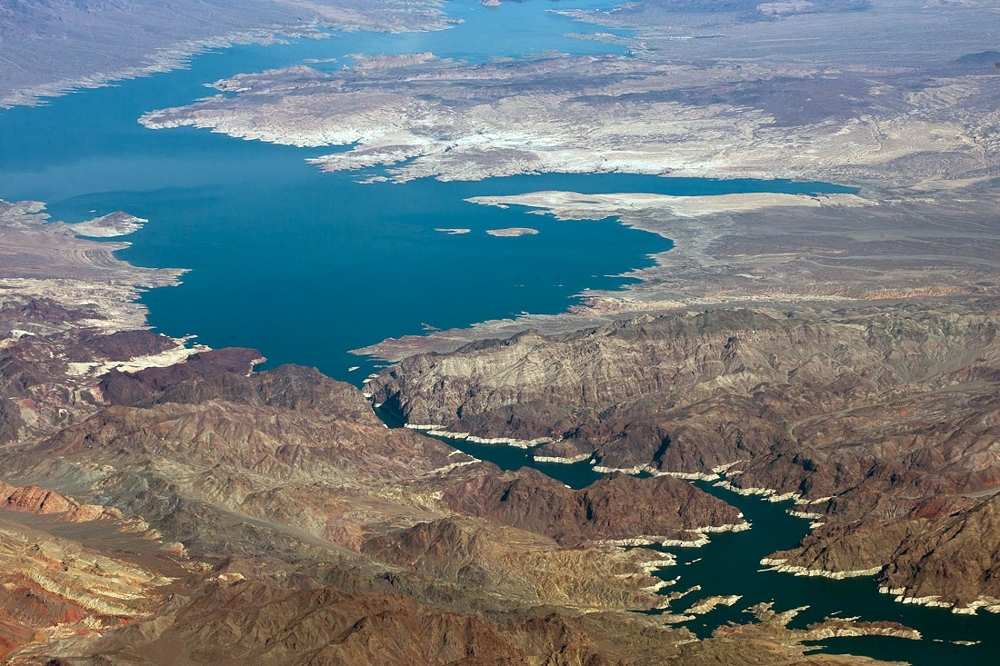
point(880, 421)
point(169, 504)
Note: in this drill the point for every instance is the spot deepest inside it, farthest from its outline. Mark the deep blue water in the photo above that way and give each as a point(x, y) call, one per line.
point(306, 266)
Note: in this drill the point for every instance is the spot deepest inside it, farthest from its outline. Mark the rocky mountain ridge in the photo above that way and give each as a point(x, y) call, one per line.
point(866, 417)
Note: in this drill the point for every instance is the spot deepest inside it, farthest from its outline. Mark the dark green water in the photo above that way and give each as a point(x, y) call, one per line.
point(306, 266)
point(730, 565)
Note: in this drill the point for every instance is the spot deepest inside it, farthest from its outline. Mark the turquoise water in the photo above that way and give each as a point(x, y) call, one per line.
point(90, 141)
point(306, 266)
point(730, 565)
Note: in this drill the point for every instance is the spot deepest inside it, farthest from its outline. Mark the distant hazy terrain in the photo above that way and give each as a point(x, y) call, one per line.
point(49, 46)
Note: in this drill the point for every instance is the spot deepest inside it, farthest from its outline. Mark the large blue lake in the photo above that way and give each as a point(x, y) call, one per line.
point(306, 266)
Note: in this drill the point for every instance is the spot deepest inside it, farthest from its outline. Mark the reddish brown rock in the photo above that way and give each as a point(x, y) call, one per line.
point(946, 548)
point(119, 346)
point(885, 415)
point(39, 311)
point(32, 499)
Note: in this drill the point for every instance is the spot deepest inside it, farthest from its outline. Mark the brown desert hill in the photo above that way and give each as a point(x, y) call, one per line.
point(40, 311)
point(39, 389)
point(324, 472)
point(126, 388)
point(33, 499)
point(616, 507)
point(235, 621)
point(120, 345)
point(224, 452)
point(943, 550)
point(331, 627)
point(291, 387)
point(256, 515)
point(687, 392)
point(294, 425)
point(54, 587)
point(519, 565)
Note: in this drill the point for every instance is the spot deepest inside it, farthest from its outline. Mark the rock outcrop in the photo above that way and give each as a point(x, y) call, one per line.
point(55, 588)
point(265, 514)
point(615, 508)
point(160, 499)
point(292, 473)
point(32, 499)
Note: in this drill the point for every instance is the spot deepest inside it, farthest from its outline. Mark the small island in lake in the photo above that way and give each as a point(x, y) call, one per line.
point(512, 232)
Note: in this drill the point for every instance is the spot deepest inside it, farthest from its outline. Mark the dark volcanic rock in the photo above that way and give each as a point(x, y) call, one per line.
point(687, 392)
point(946, 547)
point(119, 346)
point(40, 311)
point(288, 386)
point(127, 388)
point(18, 375)
point(616, 507)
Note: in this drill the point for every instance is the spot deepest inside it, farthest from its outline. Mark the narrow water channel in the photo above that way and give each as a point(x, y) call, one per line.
point(730, 564)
